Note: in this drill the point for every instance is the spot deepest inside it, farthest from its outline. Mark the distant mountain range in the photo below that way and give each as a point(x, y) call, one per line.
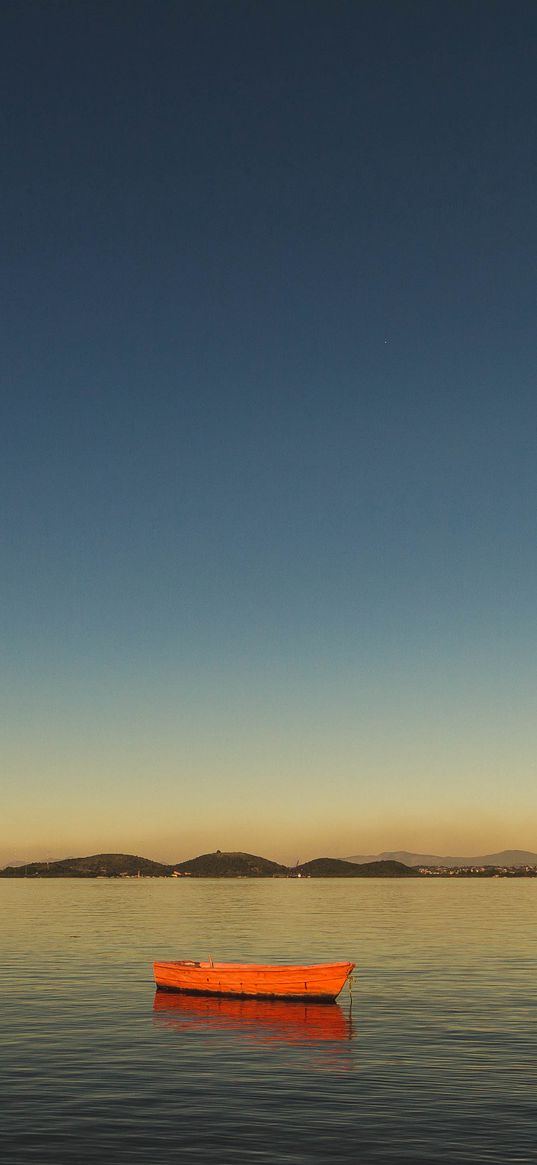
point(235, 864)
point(507, 857)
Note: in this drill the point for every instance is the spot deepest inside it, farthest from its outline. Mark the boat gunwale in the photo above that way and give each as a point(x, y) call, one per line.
point(270, 967)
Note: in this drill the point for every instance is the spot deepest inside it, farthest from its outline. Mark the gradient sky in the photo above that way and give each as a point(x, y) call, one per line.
point(268, 472)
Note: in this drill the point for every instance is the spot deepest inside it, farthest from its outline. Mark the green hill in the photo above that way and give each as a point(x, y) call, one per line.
point(337, 868)
point(98, 865)
point(230, 865)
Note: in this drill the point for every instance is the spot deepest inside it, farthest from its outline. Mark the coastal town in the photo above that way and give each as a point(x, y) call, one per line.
point(478, 871)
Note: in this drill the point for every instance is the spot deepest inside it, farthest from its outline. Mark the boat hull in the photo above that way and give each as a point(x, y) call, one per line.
point(320, 982)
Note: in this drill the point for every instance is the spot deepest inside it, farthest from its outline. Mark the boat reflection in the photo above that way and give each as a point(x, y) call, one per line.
point(265, 1020)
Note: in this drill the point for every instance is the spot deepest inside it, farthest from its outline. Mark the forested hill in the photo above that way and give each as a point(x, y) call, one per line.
point(231, 865)
point(96, 866)
point(337, 868)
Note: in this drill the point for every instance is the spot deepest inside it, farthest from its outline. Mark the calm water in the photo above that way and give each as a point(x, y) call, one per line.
point(435, 1061)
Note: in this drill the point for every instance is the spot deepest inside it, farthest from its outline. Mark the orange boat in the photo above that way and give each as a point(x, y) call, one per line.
point(321, 982)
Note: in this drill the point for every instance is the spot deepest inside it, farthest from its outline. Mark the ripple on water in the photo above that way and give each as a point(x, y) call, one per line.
point(434, 1062)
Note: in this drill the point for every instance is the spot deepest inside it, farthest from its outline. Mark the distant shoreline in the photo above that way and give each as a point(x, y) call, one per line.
point(243, 865)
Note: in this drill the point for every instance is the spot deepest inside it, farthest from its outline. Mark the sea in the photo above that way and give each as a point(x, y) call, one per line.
point(430, 1057)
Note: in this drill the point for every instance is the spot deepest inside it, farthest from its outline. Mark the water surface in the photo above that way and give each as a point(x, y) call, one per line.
point(435, 1060)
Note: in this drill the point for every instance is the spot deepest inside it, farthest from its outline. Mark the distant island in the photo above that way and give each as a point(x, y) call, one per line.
point(235, 864)
point(221, 864)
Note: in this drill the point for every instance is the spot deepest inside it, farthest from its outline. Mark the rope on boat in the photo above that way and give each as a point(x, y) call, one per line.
point(350, 981)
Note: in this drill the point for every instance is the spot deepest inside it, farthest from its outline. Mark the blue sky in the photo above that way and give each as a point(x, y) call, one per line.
point(268, 465)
